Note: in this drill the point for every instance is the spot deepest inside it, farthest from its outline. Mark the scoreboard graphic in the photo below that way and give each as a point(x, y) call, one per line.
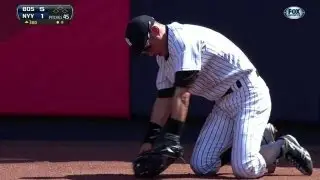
point(45, 14)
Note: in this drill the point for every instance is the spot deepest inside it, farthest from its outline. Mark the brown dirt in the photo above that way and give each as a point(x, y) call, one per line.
point(101, 160)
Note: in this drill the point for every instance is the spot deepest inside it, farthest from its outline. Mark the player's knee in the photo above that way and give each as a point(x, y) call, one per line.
point(203, 167)
point(246, 170)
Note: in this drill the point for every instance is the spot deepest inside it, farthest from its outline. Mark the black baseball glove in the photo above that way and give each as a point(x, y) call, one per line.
point(151, 163)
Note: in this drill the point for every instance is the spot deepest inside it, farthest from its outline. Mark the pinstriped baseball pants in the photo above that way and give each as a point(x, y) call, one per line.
point(238, 120)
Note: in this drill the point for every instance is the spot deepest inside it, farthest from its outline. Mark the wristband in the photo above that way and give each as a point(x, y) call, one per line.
point(153, 133)
point(165, 93)
point(174, 126)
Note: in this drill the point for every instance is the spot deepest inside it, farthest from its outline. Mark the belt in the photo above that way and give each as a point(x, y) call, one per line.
point(239, 85)
point(229, 91)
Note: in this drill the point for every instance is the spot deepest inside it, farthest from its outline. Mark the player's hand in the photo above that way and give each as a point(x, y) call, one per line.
point(145, 147)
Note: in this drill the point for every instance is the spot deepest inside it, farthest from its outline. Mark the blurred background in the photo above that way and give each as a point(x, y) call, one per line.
point(76, 80)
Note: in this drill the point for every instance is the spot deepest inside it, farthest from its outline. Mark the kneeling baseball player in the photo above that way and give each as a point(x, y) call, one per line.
point(195, 60)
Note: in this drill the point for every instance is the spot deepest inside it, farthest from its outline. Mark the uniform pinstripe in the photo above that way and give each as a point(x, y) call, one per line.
point(239, 118)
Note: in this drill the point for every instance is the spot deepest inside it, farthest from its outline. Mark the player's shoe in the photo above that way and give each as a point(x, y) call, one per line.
point(297, 155)
point(269, 136)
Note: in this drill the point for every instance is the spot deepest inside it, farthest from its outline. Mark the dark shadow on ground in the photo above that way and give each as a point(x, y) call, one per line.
point(120, 177)
point(100, 128)
point(38, 151)
point(79, 129)
point(75, 139)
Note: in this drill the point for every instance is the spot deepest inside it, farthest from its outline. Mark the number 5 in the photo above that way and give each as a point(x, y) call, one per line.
point(41, 9)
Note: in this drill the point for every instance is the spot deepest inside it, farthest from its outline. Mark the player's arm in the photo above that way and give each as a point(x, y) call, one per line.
point(188, 66)
point(160, 113)
point(162, 106)
point(181, 98)
point(171, 105)
point(180, 101)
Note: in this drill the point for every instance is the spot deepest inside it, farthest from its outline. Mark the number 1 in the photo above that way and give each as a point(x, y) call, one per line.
point(42, 16)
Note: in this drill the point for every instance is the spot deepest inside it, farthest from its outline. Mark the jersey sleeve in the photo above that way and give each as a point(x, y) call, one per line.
point(188, 65)
point(189, 59)
point(162, 81)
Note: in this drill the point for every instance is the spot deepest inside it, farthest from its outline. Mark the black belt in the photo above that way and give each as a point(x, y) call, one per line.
point(229, 91)
point(239, 85)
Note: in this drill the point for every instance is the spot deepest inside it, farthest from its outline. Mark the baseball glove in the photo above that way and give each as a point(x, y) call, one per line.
point(150, 164)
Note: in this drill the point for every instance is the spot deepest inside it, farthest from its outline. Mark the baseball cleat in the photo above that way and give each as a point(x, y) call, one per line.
point(297, 155)
point(269, 136)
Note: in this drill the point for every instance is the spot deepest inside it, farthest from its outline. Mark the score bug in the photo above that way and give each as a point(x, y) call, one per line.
point(28, 9)
point(44, 14)
point(33, 9)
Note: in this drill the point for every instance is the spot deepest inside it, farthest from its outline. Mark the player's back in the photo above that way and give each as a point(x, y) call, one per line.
point(221, 64)
point(213, 43)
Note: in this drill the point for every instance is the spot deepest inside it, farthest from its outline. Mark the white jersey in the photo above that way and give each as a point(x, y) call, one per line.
point(220, 62)
point(239, 118)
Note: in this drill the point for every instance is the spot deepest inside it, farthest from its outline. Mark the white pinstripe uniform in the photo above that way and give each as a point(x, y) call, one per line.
point(239, 118)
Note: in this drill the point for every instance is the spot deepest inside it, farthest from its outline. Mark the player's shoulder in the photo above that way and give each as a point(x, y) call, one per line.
point(188, 27)
point(174, 26)
point(185, 35)
point(190, 33)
